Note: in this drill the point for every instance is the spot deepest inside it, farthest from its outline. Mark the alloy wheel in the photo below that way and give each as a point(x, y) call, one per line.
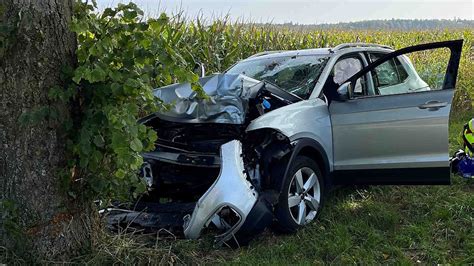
point(304, 196)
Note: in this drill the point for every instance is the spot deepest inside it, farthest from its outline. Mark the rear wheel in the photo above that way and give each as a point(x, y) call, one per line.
point(301, 197)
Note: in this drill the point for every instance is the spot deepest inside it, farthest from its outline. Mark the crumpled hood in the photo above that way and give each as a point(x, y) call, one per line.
point(227, 102)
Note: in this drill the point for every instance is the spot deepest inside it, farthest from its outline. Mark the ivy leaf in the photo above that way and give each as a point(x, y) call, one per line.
point(130, 86)
point(130, 15)
point(115, 76)
point(97, 74)
point(132, 83)
point(79, 74)
point(136, 145)
point(115, 87)
point(109, 12)
point(99, 141)
point(120, 173)
point(118, 140)
point(152, 136)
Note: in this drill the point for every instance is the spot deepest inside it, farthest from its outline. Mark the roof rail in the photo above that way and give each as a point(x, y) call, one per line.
point(266, 52)
point(359, 44)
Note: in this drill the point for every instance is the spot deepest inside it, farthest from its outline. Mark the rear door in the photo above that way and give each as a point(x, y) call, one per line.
point(397, 132)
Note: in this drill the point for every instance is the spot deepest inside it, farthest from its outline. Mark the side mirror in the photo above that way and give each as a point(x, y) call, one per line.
point(344, 92)
point(199, 70)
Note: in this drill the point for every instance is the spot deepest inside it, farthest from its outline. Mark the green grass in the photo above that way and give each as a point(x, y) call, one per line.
point(363, 225)
point(372, 225)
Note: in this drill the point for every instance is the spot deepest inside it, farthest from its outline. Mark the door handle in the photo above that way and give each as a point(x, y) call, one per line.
point(433, 105)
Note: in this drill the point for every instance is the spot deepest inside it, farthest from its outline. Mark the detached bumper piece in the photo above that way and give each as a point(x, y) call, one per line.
point(231, 204)
point(229, 201)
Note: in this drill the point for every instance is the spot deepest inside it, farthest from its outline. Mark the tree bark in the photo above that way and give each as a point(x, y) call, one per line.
point(35, 46)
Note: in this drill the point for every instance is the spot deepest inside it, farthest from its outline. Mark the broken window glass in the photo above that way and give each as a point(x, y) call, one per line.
point(294, 74)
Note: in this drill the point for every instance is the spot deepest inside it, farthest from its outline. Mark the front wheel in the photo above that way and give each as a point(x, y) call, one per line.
point(302, 194)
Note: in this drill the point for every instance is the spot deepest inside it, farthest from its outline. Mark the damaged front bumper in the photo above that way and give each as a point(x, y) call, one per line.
point(231, 195)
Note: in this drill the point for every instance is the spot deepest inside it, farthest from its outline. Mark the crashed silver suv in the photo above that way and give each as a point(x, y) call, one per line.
point(278, 128)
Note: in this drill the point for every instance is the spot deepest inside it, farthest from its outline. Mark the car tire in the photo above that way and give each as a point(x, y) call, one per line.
point(300, 201)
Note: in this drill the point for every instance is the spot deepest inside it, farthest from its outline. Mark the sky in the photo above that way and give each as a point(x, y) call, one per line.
point(308, 11)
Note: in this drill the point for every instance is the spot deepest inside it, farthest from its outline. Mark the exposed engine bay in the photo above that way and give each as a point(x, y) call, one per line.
point(207, 171)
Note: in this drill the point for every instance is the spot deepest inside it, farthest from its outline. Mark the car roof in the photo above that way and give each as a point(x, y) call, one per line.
point(340, 49)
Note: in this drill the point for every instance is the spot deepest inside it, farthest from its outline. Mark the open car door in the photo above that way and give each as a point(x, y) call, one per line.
point(392, 126)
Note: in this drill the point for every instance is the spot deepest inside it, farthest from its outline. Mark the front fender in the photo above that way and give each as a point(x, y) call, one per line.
point(303, 123)
point(314, 150)
point(309, 148)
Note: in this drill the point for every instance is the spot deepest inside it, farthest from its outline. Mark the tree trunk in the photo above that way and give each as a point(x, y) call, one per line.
point(35, 46)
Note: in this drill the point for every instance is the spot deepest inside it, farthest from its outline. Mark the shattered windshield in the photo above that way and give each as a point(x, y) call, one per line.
point(295, 74)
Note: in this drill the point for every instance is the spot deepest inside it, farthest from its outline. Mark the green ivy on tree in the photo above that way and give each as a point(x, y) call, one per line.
point(121, 58)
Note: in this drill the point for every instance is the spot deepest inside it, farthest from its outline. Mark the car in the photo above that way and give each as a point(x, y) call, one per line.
point(279, 128)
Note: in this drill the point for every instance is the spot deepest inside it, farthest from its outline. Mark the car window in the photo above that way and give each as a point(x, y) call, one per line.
point(389, 73)
point(295, 74)
point(413, 72)
point(430, 66)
